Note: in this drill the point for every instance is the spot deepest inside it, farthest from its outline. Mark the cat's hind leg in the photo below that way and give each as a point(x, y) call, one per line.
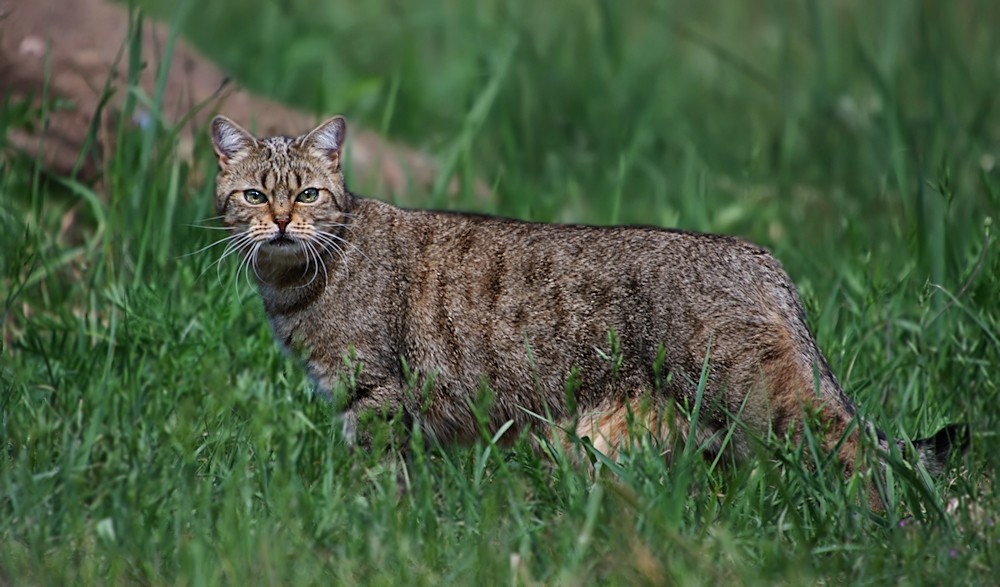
point(616, 426)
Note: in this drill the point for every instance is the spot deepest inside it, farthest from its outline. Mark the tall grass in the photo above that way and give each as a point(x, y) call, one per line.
point(153, 433)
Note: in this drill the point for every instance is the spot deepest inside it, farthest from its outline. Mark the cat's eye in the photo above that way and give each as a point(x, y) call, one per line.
point(254, 197)
point(308, 196)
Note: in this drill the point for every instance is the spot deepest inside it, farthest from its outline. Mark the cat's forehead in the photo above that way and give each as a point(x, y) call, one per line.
point(285, 152)
point(279, 146)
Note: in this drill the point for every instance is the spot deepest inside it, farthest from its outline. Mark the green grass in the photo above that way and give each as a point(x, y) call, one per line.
point(153, 433)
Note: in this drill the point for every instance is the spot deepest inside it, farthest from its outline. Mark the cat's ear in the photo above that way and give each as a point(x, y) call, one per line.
point(231, 141)
point(326, 141)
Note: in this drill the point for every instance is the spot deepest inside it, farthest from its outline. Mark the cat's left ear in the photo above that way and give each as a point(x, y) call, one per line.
point(230, 140)
point(326, 141)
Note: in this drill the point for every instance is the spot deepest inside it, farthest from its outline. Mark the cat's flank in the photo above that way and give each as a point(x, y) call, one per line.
point(437, 307)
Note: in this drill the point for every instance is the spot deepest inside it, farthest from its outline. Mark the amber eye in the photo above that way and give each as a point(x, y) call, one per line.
point(308, 196)
point(254, 197)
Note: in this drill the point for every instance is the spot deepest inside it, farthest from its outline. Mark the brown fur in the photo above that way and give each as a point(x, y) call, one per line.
point(618, 424)
point(470, 301)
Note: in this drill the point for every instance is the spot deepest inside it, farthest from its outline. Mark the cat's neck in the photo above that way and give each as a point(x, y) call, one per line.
point(284, 286)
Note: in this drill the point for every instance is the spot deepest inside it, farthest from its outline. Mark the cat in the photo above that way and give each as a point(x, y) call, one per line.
point(600, 329)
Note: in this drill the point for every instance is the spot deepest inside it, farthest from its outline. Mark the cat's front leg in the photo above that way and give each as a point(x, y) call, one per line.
point(349, 426)
point(375, 416)
point(361, 400)
point(370, 425)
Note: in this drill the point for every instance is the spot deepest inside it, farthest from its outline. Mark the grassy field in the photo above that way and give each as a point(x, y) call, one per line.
point(152, 432)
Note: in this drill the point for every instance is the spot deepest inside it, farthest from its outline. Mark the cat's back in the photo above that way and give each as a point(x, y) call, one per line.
point(450, 243)
point(478, 274)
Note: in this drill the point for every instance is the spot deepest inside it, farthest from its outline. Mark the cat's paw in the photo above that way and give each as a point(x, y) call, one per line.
point(349, 427)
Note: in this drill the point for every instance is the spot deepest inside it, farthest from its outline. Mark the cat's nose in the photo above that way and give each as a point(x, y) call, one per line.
point(282, 222)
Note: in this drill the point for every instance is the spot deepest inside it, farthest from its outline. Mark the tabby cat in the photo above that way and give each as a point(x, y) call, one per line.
point(598, 328)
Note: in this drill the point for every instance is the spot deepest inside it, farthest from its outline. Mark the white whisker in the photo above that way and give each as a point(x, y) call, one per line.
point(337, 238)
point(326, 275)
point(253, 262)
point(307, 253)
point(209, 246)
point(211, 218)
point(245, 264)
point(234, 242)
point(232, 247)
point(207, 227)
point(239, 270)
point(302, 245)
point(331, 246)
point(325, 225)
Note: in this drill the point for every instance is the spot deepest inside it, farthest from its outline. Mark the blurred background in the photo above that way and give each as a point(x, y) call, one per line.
point(152, 430)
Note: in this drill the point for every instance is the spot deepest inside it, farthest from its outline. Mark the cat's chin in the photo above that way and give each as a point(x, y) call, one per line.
point(282, 241)
point(281, 252)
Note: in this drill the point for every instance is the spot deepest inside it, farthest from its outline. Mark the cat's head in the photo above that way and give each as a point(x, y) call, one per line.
point(283, 198)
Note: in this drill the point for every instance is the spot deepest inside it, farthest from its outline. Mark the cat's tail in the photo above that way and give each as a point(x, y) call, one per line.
point(937, 450)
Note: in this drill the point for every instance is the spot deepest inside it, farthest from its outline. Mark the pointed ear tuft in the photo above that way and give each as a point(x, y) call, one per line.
point(326, 141)
point(230, 140)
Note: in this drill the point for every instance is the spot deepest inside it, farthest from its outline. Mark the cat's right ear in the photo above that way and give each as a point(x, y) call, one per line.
point(231, 141)
point(326, 141)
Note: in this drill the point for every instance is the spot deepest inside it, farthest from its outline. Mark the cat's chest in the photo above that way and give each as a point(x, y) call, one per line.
point(296, 326)
point(310, 331)
point(295, 318)
point(292, 335)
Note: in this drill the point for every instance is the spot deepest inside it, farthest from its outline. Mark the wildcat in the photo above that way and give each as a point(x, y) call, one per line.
point(437, 307)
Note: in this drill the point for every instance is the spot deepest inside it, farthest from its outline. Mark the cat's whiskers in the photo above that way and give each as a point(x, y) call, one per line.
point(319, 263)
point(305, 253)
point(341, 239)
point(326, 226)
point(250, 241)
point(211, 218)
point(330, 245)
point(206, 227)
point(319, 258)
point(239, 270)
point(236, 242)
point(316, 240)
point(209, 246)
point(236, 245)
point(247, 238)
point(308, 254)
point(253, 261)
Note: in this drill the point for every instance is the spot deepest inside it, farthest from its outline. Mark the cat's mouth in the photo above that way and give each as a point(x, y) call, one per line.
point(281, 241)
